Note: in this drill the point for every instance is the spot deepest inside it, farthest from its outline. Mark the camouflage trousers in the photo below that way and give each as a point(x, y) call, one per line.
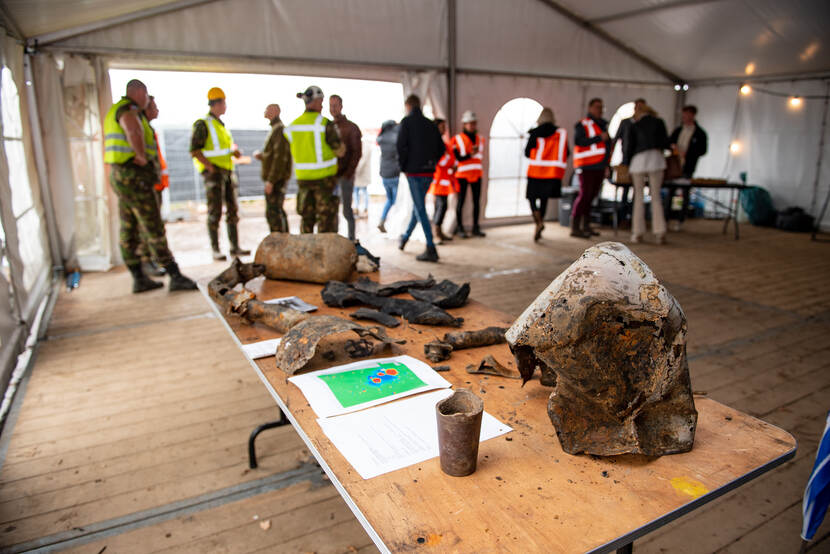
point(220, 187)
point(316, 203)
point(143, 251)
point(140, 216)
point(274, 212)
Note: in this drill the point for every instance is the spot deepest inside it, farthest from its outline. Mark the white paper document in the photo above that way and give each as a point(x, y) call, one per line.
point(261, 349)
point(396, 435)
point(358, 385)
point(293, 302)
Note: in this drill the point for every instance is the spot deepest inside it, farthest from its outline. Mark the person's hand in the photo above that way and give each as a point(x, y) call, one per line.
point(269, 187)
point(237, 153)
point(475, 149)
point(605, 136)
point(607, 172)
point(210, 168)
point(140, 160)
point(258, 154)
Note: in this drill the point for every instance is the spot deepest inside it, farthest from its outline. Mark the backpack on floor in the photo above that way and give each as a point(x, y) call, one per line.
point(757, 203)
point(794, 219)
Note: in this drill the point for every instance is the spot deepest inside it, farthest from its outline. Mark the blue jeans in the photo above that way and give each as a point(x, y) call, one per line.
point(391, 186)
point(418, 187)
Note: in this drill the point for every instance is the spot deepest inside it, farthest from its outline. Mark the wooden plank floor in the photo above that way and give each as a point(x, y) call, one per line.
point(152, 436)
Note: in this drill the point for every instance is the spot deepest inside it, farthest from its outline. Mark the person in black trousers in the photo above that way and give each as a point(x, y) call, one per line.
point(689, 141)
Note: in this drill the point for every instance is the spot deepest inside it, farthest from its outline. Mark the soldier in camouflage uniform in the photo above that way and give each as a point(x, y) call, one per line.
point(217, 170)
point(316, 201)
point(129, 148)
point(276, 170)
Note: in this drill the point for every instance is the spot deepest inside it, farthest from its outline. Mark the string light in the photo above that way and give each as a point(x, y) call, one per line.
point(746, 90)
point(676, 87)
point(735, 147)
point(795, 102)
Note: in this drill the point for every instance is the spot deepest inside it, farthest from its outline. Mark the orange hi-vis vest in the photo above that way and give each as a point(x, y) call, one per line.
point(443, 181)
point(589, 155)
point(165, 175)
point(549, 158)
point(469, 169)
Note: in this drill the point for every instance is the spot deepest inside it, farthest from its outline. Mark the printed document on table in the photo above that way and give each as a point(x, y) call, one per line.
point(261, 349)
point(358, 385)
point(396, 435)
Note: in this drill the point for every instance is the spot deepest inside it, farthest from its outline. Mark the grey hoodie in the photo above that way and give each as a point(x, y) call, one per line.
point(387, 140)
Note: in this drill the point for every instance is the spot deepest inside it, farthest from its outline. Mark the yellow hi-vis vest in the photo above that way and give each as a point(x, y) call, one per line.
point(313, 157)
point(218, 146)
point(117, 149)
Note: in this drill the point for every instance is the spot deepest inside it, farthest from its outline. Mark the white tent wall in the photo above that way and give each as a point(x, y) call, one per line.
point(779, 144)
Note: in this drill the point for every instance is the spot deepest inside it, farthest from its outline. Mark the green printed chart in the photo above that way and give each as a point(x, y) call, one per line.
point(373, 382)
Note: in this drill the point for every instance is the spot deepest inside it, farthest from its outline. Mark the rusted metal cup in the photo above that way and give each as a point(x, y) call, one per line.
point(459, 427)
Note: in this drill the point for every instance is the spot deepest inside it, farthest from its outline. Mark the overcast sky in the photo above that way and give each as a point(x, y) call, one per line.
point(182, 97)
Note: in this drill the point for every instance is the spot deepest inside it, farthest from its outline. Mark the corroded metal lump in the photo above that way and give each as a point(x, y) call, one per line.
point(611, 340)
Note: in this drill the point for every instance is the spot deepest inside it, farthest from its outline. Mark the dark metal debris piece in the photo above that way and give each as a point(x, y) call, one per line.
point(245, 304)
point(437, 351)
point(339, 294)
point(359, 348)
point(374, 315)
point(445, 295)
point(388, 289)
point(489, 366)
point(298, 344)
point(474, 339)
point(441, 368)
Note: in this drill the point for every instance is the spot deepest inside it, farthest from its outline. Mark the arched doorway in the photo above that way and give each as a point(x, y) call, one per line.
point(623, 112)
point(507, 178)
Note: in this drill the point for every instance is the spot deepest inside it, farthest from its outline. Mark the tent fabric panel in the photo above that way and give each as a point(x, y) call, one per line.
point(528, 36)
point(368, 31)
point(36, 17)
point(779, 145)
point(720, 39)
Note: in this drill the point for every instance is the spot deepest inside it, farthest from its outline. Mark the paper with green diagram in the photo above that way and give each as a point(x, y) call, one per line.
point(358, 385)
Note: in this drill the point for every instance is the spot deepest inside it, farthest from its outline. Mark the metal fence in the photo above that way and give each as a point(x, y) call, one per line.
point(186, 184)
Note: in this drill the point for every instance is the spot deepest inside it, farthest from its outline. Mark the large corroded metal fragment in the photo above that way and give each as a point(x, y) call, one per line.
point(315, 258)
point(612, 341)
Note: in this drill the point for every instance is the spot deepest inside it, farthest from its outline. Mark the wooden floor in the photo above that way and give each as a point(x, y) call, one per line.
point(131, 433)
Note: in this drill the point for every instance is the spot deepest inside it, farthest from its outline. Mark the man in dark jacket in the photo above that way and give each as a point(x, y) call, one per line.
point(350, 135)
point(419, 148)
point(690, 142)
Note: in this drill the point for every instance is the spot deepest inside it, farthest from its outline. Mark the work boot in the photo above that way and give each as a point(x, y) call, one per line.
point(537, 218)
point(441, 234)
point(142, 283)
point(381, 226)
point(214, 245)
point(429, 255)
point(461, 232)
point(436, 232)
point(233, 238)
point(402, 242)
point(177, 280)
point(478, 232)
point(576, 230)
point(150, 268)
point(586, 227)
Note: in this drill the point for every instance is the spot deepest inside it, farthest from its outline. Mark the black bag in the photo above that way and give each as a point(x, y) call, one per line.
point(794, 219)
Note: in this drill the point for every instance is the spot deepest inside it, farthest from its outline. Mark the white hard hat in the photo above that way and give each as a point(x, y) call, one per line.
point(310, 94)
point(468, 117)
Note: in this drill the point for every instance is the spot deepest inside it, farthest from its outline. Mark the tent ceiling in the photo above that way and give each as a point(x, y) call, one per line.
point(695, 39)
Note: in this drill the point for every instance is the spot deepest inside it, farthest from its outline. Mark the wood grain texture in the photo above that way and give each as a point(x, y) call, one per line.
point(526, 494)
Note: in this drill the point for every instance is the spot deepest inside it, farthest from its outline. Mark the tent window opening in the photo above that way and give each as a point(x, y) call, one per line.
point(26, 217)
point(507, 176)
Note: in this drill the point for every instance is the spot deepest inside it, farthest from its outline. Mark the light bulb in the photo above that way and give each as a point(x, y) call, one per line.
point(676, 87)
point(735, 147)
point(795, 101)
point(746, 90)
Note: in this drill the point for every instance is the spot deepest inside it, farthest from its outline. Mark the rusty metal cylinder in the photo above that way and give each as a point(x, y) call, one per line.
point(459, 428)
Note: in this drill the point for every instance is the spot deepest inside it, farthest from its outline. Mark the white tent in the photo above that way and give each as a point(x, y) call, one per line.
point(458, 54)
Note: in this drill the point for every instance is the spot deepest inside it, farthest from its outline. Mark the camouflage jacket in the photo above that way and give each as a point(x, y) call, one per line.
point(276, 155)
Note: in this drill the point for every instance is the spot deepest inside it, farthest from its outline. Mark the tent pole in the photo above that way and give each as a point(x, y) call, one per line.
point(452, 83)
point(40, 164)
point(820, 150)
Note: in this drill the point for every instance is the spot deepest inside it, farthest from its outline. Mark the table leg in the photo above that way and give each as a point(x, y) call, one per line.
point(265, 426)
point(627, 549)
point(615, 218)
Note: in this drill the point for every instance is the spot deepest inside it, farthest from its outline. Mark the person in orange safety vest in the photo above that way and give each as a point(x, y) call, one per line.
point(547, 153)
point(590, 158)
point(468, 147)
point(443, 183)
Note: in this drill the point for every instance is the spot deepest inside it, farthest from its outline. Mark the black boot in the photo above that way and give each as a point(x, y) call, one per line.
point(586, 227)
point(402, 242)
point(576, 224)
point(177, 280)
point(150, 268)
point(233, 238)
point(478, 232)
point(461, 232)
point(429, 255)
point(142, 283)
point(537, 219)
point(214, 245)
